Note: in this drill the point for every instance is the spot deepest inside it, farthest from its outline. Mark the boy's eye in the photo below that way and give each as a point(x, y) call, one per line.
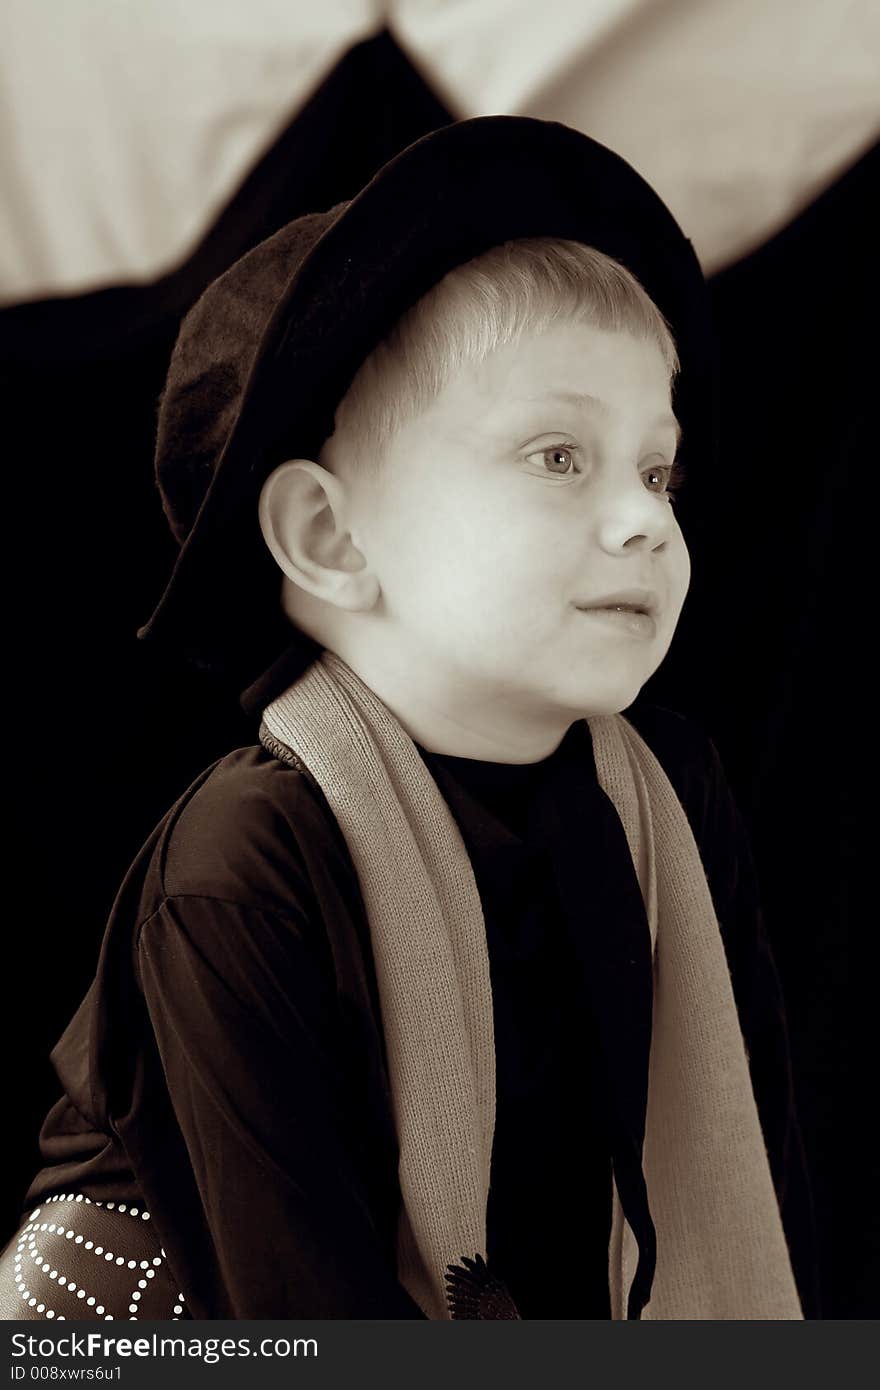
point(671, 476)
point(557, 459)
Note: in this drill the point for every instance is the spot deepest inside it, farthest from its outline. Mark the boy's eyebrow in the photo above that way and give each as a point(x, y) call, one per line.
point(583, 399)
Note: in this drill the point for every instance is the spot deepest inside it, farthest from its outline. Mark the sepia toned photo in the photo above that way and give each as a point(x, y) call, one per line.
point(439, 440)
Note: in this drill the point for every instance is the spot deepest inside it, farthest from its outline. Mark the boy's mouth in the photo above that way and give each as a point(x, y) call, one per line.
point(642, 601)
point(633, 621)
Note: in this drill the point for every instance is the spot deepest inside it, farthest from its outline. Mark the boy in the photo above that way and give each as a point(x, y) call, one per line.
point(420, 1007)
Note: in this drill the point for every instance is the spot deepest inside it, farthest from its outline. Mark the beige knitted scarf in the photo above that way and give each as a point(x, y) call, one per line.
point(721, 1248)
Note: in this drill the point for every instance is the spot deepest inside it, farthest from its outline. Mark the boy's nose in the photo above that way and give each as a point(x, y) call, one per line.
point(627, 520)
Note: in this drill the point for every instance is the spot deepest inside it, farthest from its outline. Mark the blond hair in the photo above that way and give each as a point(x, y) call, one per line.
point(528, 284)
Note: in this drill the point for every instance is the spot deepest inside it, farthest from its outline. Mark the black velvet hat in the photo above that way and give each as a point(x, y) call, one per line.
point(267, 353)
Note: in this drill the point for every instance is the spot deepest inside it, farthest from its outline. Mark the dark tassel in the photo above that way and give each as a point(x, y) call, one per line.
point(475, 1292)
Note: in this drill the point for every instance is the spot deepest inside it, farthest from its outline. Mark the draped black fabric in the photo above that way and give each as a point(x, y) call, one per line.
point(227, 1068)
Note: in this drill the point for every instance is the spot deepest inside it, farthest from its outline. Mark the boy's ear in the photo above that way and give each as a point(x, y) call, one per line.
point(303, 512)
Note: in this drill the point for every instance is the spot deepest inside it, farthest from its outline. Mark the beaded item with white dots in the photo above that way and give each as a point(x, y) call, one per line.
point(94, 1260)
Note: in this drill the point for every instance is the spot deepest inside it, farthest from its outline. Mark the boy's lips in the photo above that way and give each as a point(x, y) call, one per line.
point(643, 601)
point(631, 621)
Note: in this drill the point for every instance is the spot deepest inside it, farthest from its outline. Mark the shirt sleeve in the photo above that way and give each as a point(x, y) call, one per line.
point(731, 872)
point(248, 1027)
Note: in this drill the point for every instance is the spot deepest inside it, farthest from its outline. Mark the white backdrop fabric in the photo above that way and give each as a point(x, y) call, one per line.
point(124, 128)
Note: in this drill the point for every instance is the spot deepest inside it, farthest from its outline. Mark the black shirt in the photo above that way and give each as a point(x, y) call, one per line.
point(227, 1067)
point(548, 1219)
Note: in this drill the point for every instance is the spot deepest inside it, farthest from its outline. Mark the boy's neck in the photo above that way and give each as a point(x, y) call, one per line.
point(446, 715)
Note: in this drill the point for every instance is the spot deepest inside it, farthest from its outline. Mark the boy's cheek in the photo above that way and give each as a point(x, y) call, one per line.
point(677, 565)
point(683, 567)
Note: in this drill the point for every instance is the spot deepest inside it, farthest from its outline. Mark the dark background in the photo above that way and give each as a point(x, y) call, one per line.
point(771, 657)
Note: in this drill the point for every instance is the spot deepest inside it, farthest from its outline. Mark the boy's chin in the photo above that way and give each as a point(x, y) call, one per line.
point(585, 698)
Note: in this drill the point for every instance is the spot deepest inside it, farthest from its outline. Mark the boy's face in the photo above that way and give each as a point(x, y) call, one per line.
point(532, 486)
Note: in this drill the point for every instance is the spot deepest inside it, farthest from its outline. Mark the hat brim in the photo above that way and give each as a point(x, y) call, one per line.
point(446, 198)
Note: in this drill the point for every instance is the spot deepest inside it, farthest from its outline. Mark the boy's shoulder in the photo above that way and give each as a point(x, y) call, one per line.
point(255, 828)
point(251, 829)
